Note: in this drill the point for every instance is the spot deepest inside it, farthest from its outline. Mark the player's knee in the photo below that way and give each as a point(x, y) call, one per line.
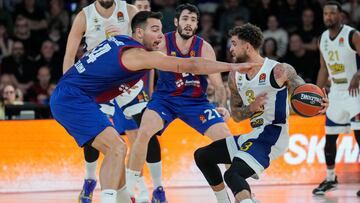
point(118, 149)
point(228, 175)
point(199, 157)
point(144, 134)
point(236, 183)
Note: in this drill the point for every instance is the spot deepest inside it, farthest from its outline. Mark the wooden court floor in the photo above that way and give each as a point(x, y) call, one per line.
point(346, 193)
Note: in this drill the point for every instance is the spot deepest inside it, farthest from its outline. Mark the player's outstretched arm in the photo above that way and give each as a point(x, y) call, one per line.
point(76, 33)
point(138, 59)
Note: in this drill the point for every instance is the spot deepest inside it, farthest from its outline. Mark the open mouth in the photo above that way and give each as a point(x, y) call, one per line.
point(156, 43)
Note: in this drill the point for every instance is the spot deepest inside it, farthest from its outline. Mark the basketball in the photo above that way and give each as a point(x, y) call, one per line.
point(306, 100)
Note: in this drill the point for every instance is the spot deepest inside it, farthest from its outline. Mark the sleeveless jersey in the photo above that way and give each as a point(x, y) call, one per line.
point(276, 109)
point(341, 60)
point(181, 84)
point(96, 24)
point(101, 73)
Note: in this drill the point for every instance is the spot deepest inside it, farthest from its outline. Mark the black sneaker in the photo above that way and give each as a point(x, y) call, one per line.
point(325, 186)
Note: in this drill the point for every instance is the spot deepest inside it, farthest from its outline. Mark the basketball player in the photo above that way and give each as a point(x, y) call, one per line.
point(260, 95)
point(180, 95)
point(339, 58)
point(95, 23)
point(74, 102)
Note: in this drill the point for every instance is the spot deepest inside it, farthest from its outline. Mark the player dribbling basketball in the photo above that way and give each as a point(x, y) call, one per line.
point(260, 95)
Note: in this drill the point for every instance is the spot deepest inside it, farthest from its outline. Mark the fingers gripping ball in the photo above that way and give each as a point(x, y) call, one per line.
point(306, 100)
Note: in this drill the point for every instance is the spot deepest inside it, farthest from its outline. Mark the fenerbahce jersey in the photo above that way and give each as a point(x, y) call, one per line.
point(186, 85)
point(276, 108)
point(96, 24)
point(340, 57)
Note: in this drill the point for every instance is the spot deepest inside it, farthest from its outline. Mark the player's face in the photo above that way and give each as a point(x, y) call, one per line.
point(142, 5)
point(331, 16)
point(238, 50)
point(152, 34)
point(106, 3)
point(187, 24)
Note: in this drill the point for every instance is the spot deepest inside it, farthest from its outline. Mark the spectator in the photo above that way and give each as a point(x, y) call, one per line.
point(290, 15)
point(168, 12)
point(35, 16)
point(308, 32)
point(19, 66)
point(6, 19)
point(208, 32)
point(353, 8)
point(6, 79)
point(229, 12)
point(279, 34)
point(58, 16)
point(30, 41)
point(263, 10)
point(304, 61)
point(49, 58)
point(269, 49)
point(50, 90)
point(9, 95)
point(5, 42)
point(38, 92)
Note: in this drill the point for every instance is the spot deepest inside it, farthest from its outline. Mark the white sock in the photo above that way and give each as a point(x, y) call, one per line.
point(123, 196)
point(108, 196)
point(330, 174)
point(132, 178)
point(156, 173)
point(222, 196)
point(246, 201)
point(90, 172)
point(142, 185)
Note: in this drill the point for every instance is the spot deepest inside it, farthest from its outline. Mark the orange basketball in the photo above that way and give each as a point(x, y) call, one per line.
point(306, 100)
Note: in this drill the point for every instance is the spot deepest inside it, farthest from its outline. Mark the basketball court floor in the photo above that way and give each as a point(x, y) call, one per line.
point(346, 193)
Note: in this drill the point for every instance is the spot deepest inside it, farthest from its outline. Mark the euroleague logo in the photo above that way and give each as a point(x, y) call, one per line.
point(262, 79)
point(310, 98)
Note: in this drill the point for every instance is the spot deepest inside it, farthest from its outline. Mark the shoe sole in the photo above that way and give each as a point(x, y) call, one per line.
point(320, 193)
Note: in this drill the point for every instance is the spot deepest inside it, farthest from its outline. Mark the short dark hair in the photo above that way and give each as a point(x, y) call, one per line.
point(192, 8)
point(133, 1)
point(334, 3)
point(139, 20)
point(249, 33)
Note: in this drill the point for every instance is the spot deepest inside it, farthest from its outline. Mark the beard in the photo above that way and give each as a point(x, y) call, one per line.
point(106, 4)
point(185, 36)
point(241, 59)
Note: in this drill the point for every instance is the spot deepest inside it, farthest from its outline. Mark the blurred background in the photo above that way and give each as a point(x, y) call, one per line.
point(33, 36)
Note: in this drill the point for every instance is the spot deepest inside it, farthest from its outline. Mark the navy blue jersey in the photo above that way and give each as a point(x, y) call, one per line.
point(185, 85)
point(101, 73)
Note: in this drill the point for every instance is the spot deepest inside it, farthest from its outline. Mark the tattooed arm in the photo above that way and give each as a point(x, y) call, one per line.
point(238, 110)
point(285, 74)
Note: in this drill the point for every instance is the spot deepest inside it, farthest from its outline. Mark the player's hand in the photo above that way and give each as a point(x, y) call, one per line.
point(258, 104)
point(224, 113)
point(245, 67)
point(112, 30)
point(325, 102)
point(354, 86)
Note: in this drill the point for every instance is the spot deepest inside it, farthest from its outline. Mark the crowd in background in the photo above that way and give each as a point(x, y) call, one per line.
point(33, 36)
